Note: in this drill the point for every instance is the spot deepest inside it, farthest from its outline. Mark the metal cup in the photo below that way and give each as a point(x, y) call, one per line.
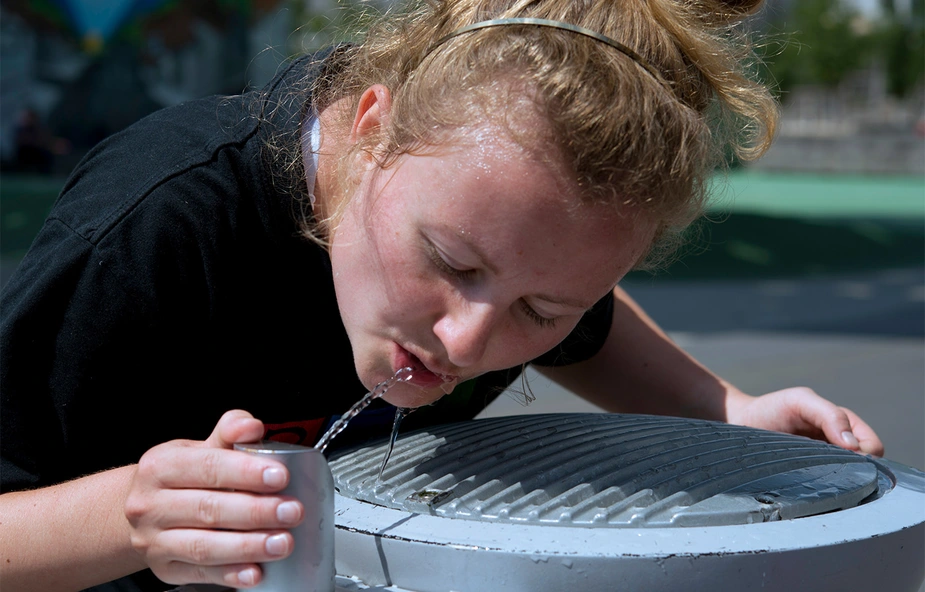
point(310, 567)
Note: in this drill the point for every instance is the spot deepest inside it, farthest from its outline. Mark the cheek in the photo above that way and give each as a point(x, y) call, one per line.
point(520, 343)
point(410, 286)
point(378, 276)
point(356, 276)
point(362, 253)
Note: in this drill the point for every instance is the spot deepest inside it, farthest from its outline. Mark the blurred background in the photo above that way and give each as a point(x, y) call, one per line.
point(809, 269)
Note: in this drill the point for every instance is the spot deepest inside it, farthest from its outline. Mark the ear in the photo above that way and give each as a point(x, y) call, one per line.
point(372, 112)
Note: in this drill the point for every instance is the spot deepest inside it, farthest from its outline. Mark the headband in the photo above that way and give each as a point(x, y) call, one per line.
point(554, 25)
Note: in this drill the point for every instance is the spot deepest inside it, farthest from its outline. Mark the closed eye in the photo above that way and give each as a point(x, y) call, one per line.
point(447, 265)
point(536, 317)
point(451, 268)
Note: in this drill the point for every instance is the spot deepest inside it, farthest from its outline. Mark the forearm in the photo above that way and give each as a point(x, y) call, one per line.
point(68, 536)
point(640, 370)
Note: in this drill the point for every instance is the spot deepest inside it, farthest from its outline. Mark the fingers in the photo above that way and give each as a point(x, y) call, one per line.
point(195, 536)
point(226, 510)
point(212, 548)
point(819, 418)
point(828, 418)
point(184, 485)
point(211, 464)
point(234, 427)
point(214, 557)
point(233, 576)
point(842, 427)
point(184, 465)
point(201, 512)
point(868, 441)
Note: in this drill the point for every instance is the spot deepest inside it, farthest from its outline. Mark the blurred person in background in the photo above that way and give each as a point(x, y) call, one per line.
point(35, 145)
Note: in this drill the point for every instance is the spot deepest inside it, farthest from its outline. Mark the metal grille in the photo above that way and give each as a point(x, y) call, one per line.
point(607, 470)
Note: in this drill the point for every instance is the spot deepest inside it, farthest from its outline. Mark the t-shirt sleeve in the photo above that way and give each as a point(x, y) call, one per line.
point(585, 340)
point(86, 332)
point(37, 310)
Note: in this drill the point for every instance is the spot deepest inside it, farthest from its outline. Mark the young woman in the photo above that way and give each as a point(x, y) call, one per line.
point(461, 194)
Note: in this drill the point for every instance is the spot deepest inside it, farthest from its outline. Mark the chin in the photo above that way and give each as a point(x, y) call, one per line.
point(411, 396)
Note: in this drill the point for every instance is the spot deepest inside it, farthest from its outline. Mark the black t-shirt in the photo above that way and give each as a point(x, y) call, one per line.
point(170, 283)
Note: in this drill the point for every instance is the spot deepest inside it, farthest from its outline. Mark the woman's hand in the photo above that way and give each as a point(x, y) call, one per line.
point(201, 512)
point(801, 411)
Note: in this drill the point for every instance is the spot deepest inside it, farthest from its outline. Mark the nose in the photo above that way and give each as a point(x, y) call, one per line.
point(465, 332)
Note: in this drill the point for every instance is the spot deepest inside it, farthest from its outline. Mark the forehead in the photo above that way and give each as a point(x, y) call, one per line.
point(519, 208)
point(497, 157)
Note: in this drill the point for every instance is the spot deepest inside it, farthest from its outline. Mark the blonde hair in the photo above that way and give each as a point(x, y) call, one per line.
point(631, 138)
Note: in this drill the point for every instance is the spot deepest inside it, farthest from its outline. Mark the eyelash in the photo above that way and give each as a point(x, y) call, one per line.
point(466, 274)
point(442, 265)
point(535, 317)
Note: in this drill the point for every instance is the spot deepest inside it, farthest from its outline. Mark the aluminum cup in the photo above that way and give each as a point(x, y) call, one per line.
point(310, 567)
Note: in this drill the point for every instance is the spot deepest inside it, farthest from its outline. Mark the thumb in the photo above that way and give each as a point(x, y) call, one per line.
point(234, 427)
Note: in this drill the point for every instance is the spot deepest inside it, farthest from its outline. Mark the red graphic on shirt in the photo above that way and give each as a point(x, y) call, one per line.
point(303, 433)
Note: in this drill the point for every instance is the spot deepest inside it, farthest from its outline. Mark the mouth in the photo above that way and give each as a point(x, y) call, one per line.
point(422, 376)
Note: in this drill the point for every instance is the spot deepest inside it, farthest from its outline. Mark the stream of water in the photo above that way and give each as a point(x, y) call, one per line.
point(402, 375)
point(400, 414)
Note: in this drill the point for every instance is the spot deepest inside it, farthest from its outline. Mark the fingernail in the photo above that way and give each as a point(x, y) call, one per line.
point(849, 439)
point(277, 545)
point(288, 512)
point(274, 477)
point(247, 577)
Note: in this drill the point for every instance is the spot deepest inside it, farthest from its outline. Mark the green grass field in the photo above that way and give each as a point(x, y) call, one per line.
point(810, 196)
point(772, 224)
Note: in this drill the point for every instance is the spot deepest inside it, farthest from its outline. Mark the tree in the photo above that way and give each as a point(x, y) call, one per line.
point(901, 44)
point(817, 42)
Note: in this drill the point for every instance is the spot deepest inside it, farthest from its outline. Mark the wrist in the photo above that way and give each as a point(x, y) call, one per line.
point(736, 405)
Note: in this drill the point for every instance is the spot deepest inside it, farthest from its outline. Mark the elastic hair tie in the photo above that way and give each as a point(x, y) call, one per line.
point(555, 25)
